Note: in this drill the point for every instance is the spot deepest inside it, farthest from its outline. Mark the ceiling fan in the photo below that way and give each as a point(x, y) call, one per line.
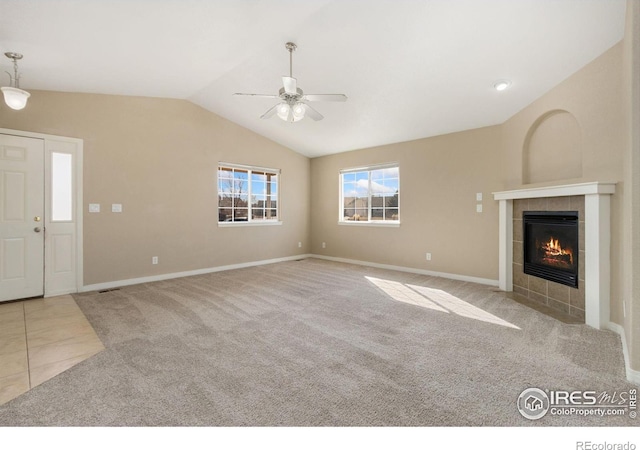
point(293, 101)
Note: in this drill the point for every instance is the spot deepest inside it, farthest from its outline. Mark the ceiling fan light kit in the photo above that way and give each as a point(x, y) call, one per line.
point(14, 97)
point(293, 106)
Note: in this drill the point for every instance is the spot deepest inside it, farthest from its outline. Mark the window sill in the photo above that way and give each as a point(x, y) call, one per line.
point(249, 224)
point(356, 223)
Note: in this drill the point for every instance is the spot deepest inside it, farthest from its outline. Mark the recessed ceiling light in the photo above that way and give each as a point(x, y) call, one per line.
point(501, 85)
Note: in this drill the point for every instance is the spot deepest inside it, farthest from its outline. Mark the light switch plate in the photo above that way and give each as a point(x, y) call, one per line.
point(94, 207)
point(116, 207)
point(479, 196)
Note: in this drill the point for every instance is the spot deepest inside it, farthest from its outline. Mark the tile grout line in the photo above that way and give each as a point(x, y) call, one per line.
point(26, 342)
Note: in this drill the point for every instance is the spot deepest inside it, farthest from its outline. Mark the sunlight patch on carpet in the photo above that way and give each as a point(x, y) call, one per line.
point(437, 300)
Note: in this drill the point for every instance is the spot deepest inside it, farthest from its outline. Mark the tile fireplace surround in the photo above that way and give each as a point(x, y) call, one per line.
point(597, 237)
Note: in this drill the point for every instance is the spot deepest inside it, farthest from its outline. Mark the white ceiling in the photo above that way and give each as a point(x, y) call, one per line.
point(410, 68)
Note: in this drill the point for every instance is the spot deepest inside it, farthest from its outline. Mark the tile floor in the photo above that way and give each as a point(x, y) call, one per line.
point(39, 339)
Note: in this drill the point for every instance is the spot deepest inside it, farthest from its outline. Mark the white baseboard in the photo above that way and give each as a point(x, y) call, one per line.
point(451, 276)
point(169, 276)
point(632, 375)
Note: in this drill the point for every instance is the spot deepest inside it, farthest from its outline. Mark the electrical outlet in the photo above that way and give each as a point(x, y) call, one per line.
point(479, 196)
point(324, 245)
point(299, 244)
point(479, 207)
point(428, 256)
point(116, 207)
point(154, 260)
point(94, 207)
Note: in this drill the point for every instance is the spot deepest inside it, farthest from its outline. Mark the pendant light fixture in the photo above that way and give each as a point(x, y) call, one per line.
point(14, 97)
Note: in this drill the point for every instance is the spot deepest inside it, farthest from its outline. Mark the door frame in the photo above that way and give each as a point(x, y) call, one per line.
point(74, 146)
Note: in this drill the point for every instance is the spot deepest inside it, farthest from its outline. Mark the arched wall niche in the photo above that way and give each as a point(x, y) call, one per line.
point(552, 149)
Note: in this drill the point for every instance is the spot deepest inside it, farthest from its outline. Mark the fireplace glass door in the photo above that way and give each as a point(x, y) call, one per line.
point(551, 245)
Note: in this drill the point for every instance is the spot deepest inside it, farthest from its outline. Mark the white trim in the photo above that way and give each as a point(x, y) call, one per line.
point(253, 223)
point(505, 251)
point(189, 273)
point(247, 167)
point(371, 167)
point(359, 223)
point(596, 187)
point(597, 264)
point(632, 375)
point(38, 135)
point(451, 276)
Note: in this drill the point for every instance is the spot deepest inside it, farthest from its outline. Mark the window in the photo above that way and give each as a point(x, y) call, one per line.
point(247, 194)
point(61, 187)
point(370, 194)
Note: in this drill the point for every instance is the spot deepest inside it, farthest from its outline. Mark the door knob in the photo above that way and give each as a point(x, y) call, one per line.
point(37, 229)
point(37, 219)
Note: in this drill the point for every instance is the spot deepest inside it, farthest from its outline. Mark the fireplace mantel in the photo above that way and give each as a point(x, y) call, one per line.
point(597, 197)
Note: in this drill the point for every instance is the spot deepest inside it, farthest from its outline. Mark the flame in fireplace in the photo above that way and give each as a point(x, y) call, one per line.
point(553, 249)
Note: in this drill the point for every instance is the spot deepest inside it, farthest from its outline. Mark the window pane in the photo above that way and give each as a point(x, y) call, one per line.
point(391, 201)
point(391, 214)
point(390, 185)
point(224, 214)
point(271, 214)
point(241, 214)
point(240, 201)
point(61, 186)
point(258, 176)
point(258, 187)
point(224, 172)
point(362, 176)
point(347, 177)
point(258, 201)
point(348, 213)
point(349, 190)
point(225, 187)
point(377, 214)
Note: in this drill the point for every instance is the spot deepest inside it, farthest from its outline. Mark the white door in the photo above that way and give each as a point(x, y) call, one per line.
point(21, 217)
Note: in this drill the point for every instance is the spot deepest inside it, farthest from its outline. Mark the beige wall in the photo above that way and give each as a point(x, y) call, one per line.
point(158, 157)
point(439, 179)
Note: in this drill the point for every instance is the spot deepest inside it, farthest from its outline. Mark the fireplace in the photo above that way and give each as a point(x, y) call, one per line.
point(550, 245)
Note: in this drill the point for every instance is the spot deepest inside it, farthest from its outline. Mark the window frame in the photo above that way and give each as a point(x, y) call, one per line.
point(250, 220)
point(369, 223)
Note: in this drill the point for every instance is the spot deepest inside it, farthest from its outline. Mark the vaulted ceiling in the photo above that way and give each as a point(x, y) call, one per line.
point(410, 68)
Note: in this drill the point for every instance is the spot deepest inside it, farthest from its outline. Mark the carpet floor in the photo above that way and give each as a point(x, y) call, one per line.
point(319, 343)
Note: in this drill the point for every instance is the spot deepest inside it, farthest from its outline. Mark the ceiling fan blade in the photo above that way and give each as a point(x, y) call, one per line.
point(326, 97)
point(290, 85)
point(310, 112)
point(270, 113)
point(257, 95)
